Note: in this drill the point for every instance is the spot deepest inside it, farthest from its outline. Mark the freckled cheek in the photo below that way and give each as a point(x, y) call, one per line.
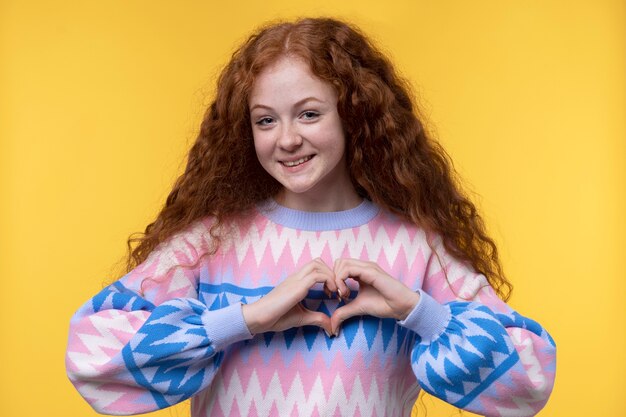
point(263, 146)
point(334, 141)
point(326, 134)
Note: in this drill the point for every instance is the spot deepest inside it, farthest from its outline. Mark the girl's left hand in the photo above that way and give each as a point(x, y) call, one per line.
point(380, 294)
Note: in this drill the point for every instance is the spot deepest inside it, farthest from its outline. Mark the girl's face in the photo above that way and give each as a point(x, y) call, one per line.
point(298, 137)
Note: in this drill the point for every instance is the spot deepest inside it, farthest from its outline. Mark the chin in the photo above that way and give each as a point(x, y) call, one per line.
point(297, 190)
point(298, 187)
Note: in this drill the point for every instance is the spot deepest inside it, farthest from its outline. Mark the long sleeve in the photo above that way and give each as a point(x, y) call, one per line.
point(146, 342)
point(472, 350)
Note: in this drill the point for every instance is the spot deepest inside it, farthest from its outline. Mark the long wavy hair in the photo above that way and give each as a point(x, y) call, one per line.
point(392, 159)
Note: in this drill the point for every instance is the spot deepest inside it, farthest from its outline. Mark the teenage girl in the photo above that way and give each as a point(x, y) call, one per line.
point(316, 258)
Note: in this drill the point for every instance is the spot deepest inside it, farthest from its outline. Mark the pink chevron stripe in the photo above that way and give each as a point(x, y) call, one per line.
point(534, 362)
point(250, 265)
point(114, 398)
point(299, 368)
point(129, 401)
point(261, 222)
point(160, 289)
point(122, 326)
point(285, 260)
point(253, 411)
point(521, 400)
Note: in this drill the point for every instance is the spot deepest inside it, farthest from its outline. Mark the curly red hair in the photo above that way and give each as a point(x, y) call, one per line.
point(391, 158)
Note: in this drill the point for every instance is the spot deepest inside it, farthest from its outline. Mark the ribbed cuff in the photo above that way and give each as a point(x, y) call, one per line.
point(428, 319)
point(226, 326)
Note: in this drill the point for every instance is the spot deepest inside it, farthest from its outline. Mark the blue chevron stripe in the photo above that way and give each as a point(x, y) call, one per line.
point(167, 369)
point(514, 319)
point(116, 296)
point(233, 289)
point(493, 377)
point(474, 328)
point(134, 370)
point(226, 287)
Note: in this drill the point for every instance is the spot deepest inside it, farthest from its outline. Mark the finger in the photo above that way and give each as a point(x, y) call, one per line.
point(298, 289)
point(316, 318)
point(319, 263)
point(343, 295)
point(340, 278)
point(368, 272)
point(328, 293)
point(315, 264)
point(342, 314)
point(326, 277)
point(344, 269)
point(325, 269)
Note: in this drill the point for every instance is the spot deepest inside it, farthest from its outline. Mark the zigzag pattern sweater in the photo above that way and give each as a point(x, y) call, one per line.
point(170, 330)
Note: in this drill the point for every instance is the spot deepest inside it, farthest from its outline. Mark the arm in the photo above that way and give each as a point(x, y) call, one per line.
point(146, 342)
point(478, 355)
point(473, 350)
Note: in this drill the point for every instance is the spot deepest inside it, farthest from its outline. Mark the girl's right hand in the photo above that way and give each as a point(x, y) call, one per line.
point(281, 308)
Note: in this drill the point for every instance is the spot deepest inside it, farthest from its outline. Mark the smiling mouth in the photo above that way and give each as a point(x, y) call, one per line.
point(297, 162)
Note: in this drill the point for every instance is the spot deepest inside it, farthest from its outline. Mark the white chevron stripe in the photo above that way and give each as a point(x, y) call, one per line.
point(100, 398)
point(180, 247)
point(523, 408)
point(452, 355)
point(87, 362)
point(369, 401)
point(277, 241)
point(528, 357)
point(458, 275)
point(179, 280)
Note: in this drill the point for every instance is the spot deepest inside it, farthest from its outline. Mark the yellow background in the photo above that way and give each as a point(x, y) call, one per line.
point(99, 101)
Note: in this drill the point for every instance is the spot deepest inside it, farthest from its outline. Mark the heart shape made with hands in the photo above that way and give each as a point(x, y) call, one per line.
point(330, 323)
point(379, 294)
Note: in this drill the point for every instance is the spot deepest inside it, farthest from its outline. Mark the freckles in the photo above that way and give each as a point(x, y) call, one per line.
point(262, 143)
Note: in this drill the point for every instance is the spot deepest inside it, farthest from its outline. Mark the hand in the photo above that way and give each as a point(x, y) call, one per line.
point(280, 309)
point(379, 295)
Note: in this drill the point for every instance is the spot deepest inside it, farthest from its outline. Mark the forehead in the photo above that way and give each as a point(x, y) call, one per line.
point(287, 79)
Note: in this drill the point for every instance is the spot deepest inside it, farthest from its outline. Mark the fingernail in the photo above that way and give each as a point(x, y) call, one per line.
point(328, 334)
point(339, 292)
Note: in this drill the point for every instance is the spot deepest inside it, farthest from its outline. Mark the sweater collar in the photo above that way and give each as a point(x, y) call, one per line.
point(318, 221)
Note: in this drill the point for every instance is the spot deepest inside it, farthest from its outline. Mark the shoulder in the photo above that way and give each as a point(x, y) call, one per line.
point(398, 238)
point(397, 227)
point(186, 245)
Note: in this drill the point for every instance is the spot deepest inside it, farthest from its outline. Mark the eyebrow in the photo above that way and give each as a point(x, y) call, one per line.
point(298, 103)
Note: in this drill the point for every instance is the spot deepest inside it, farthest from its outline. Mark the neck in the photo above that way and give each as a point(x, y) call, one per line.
point(344, 200)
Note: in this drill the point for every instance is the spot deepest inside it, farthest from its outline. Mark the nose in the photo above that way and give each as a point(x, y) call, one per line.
point(289, 138)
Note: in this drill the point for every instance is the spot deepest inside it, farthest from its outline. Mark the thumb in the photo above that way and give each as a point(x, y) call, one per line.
point(342, 314)
point(316, 318)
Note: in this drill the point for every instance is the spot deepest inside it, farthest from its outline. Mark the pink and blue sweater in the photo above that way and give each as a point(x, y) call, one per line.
point(172, 328)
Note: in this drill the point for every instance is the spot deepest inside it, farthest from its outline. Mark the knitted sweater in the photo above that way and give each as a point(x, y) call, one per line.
point(173, 328)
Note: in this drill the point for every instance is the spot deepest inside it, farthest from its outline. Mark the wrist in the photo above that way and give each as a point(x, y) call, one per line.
point(411, 302)
point(249, 316)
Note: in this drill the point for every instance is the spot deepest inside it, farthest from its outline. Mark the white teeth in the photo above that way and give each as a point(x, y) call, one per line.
point(298, 162)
